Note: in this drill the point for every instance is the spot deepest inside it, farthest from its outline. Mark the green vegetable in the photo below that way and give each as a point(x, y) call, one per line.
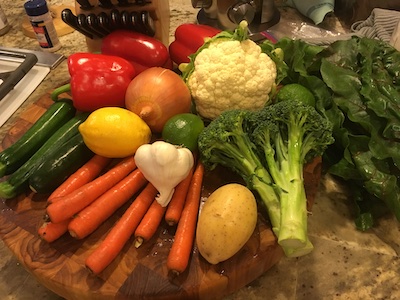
point(18, 180)
point(268, 148)
point(17, 154)
point(63, 163)
point(356, 83)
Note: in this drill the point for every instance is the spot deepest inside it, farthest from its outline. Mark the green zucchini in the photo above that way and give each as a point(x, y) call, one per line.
point(18, 180)
point(63, 163)
point(17, 154)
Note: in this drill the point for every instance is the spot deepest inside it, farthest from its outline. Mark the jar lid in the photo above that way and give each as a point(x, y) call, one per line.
point(36, 7)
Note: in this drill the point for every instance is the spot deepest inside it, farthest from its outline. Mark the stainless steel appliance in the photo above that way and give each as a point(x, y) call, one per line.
point(226, 14)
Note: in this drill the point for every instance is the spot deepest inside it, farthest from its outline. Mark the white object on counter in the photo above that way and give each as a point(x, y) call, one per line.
point(14, 99)
point(42, 24)
point(395, 39)
point(379, 25)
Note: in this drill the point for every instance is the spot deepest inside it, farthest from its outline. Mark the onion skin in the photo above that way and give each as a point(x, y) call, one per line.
point(156, 95)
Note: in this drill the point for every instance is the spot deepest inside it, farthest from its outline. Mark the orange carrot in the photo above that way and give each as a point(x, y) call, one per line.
point(83, 175)
point(92, 216)
point(51, 231)
point(116, 239)
point(175, 206)
point(179, 254)
point(71, 204)
point(149, 224)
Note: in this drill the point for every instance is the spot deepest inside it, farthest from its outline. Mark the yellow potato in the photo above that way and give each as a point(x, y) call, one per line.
point(226, 222)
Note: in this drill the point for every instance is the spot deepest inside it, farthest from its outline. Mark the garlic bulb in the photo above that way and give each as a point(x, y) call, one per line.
point(164, 165)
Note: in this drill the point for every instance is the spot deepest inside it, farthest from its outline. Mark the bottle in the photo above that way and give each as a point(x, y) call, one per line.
point(4, 26)
point(42, 24)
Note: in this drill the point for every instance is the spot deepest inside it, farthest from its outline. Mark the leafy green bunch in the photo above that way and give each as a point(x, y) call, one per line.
point(356, 83)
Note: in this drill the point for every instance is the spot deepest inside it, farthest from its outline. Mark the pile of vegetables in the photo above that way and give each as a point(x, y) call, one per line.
point(353, 123)
point(101, 186)
point(357, 87)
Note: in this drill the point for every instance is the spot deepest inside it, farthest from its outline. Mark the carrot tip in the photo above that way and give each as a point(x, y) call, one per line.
point(171, 223)
point(174, 273)
point(138, 242)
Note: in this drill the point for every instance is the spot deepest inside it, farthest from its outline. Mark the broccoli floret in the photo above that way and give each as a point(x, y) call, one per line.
point(268, 149)
point(291, 134)
point(225, 142)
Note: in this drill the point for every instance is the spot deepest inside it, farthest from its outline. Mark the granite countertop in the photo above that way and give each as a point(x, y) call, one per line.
point(346, 263)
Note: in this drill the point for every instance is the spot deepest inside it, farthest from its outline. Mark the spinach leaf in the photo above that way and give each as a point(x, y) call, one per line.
point(356, 84)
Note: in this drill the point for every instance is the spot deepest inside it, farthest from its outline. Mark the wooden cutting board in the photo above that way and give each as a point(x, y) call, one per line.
point(136, 273)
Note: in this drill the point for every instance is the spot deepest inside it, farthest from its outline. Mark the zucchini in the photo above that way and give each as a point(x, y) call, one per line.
point(17, 154)
point(62, 164)
point(18, 180)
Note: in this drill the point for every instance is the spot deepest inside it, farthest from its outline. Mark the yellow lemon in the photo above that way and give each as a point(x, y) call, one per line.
point(114, 132)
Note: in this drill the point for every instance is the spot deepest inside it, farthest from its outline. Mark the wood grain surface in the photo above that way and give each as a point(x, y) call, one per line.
point(136, 273)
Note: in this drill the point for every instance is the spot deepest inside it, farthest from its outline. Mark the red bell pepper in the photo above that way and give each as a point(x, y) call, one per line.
point(98, 80)
point(140, 50)
point(188, 39)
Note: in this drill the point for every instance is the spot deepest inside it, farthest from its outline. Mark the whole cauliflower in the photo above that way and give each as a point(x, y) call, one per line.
point(230, 73)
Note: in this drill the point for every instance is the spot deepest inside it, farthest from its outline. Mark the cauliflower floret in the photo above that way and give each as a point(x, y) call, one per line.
point(230, 74)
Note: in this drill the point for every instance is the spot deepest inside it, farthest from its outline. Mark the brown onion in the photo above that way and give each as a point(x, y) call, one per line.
point(156, 95)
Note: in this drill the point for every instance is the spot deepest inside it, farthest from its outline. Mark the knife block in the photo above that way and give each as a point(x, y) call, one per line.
point(158, 11)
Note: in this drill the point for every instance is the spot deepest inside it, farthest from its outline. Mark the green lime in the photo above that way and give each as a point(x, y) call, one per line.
point(295, 91)
point(183, 130)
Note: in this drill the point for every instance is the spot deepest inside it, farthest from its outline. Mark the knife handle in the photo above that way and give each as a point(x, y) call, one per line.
point(148, 23)
point(82, 22)
point(124, 3)
point(106, 4)
point(93, 22)
point(85, 4)
point(115, 19)
point(69, 18)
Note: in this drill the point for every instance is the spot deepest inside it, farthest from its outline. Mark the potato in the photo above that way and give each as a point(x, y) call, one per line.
point(226, 222)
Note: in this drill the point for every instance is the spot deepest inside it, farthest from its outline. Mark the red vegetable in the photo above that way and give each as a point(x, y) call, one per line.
point(188, 39)
point(140, 50)
point(98, 80)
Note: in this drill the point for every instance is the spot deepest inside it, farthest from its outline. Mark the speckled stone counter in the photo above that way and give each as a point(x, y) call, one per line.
point(346, 264)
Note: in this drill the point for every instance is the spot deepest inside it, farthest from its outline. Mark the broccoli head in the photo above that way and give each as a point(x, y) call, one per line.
point(268, 149)
point(226, 142)
point(287, 135)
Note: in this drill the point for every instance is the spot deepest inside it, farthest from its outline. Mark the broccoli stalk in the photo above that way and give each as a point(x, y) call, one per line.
point(225, 142)
point(268, 149)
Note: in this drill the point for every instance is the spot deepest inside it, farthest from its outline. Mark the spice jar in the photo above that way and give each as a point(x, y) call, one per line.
point(42, 24)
